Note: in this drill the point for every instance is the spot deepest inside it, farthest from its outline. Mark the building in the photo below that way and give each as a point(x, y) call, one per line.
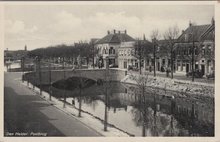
point(202, 37)
point(108, 47)
point(126, 56)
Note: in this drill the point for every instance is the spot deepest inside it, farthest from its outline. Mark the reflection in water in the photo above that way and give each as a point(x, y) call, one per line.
point(142, 112)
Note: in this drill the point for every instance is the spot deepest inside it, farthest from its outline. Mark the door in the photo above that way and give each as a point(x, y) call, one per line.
point(158, 66)
point(203, 69)
point(125, 65)
point(187, 68)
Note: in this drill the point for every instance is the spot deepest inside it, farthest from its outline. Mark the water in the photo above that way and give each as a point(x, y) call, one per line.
point(152, 113)
point(12, 65)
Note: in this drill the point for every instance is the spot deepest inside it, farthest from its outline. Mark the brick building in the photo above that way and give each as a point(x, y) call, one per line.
point(202, 36)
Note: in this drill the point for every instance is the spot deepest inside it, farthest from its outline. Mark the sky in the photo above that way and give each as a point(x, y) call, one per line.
point(40, 26)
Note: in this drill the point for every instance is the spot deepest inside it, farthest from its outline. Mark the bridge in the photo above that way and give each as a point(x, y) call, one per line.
point(46, 76)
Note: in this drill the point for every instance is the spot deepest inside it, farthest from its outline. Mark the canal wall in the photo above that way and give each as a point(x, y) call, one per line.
point(184, 87)
point(47, 77)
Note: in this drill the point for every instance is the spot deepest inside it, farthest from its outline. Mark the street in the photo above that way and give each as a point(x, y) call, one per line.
point(178, 76)
point(26, 114)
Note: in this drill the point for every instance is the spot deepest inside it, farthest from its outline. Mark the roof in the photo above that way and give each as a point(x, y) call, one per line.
point(115, 38)
point(94, 40)
point(196, 30)
point(209, 34)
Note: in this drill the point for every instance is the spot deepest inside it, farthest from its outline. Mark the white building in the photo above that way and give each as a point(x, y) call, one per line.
point(108, 46)
point(126, 56)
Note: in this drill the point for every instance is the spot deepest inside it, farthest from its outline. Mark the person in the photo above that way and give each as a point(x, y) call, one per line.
point(100, 64)
point(167, 71)
point(73, 102)
point(162, 69)
point(150, 68)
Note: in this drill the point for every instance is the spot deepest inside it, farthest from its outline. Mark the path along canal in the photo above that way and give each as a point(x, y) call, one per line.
point(152, 112)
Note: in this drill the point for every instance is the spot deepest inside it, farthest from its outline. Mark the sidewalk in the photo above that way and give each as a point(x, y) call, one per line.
point(67, 122)
point(27, 113)
point(177, 76)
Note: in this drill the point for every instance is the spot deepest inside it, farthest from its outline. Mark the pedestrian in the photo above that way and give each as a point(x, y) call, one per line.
point(150, 68)
point(167, 71)
point(73, 102)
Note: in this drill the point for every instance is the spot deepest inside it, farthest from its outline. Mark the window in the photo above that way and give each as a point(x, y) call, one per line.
point(125, 65)
point(184, 51)
point(111, 50)
point(129, 53)
point(189, 51)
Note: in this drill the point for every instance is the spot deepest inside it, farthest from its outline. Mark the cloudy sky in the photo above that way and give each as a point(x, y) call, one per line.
point(45, 25)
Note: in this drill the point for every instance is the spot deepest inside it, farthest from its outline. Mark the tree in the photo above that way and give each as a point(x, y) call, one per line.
point(170, 36)
point(154, 37)
point(139, 52)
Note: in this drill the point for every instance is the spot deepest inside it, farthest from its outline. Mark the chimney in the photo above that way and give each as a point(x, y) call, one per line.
point(108, 32)
point(213, 21)
point(183, 31)
point(190, 24)
point(125, 31)
point(119, 32)
point(144, 37)
point(25, 48)
point(114, 31)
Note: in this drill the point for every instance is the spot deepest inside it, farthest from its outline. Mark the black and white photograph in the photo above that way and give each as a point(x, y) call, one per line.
point(109, 69)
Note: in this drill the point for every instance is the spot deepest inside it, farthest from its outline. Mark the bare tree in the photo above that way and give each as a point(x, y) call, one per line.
point(139, 52)
point(154, 37)
point(170, 36)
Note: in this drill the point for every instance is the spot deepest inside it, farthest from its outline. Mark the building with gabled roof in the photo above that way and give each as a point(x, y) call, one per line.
point(116, 37)
point(109, 45)
point(202, 36)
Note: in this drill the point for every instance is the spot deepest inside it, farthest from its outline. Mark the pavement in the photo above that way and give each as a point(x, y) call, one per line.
point(26, 114)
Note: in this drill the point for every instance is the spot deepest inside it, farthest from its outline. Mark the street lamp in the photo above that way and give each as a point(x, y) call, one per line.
point(106, 93)
point(154, 45)
point(22, 66)
point(192, 54)
point(39, 70)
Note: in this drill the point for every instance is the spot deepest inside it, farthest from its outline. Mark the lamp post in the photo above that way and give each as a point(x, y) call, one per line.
point(22, 66)
point(171, 57)
point(93, 55)
point(50, 91)
point(106, 93)
point(192, 54)
point(154, 45)
point(39, 66)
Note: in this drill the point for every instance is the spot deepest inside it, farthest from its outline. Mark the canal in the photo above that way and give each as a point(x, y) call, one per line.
point(136, 110)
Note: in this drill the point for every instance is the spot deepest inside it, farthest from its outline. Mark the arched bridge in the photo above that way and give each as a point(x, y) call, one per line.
point(55, 75)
